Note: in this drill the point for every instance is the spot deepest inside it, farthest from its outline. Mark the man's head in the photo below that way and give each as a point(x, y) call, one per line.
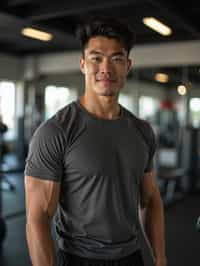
point(105, 44)
point(105, 27)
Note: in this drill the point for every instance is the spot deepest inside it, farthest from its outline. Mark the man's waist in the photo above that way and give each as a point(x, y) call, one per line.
point(72, 257)
point(96, 249)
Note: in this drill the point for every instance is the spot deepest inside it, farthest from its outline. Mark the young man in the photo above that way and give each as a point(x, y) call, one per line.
point(91, 164)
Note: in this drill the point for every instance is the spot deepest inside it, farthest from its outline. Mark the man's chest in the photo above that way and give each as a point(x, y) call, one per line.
point(116, 152)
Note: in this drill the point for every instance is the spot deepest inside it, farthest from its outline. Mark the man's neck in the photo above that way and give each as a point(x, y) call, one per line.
point(102, 107)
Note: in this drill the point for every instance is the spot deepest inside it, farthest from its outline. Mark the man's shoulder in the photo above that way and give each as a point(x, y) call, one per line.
point(136, 121)
point(142, 126)
point(68, 116)
point(56, 124)
point(48, 129)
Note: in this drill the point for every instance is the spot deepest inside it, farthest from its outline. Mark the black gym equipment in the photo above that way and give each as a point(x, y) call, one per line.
point(3, 129)
point(194, 164)
point(3, 229)
point(182, 178)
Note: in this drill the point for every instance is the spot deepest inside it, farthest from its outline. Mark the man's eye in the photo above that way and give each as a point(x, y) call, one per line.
point(118, 59)
point(96, 59)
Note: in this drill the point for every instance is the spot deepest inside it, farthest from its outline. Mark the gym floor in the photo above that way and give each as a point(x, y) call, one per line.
point(182, 239)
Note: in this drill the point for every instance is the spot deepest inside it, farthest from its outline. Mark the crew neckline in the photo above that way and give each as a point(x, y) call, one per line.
point(91, 115)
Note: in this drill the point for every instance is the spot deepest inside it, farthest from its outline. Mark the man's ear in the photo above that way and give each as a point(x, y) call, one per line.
point(82, 65)
point(129, 66)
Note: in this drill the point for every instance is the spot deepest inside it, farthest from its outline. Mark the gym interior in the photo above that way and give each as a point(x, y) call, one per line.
point(163, 88)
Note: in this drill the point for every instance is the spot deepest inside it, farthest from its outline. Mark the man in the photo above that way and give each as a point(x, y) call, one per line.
point(91, 163)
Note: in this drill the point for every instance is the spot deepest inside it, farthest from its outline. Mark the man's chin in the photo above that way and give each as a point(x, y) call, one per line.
point(107, 91)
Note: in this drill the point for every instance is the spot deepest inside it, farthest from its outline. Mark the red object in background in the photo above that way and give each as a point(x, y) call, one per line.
point(167, 104)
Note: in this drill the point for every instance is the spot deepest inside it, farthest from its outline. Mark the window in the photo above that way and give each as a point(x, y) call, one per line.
point(7, 107)
point(195, 111)
point(56, 98)
point(147, 108)
point(126, 100)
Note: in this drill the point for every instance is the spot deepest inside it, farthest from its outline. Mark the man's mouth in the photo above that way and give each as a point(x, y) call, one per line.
point(105, 80)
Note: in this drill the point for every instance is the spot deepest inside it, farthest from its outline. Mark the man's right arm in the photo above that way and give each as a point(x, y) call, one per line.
point(41, 202)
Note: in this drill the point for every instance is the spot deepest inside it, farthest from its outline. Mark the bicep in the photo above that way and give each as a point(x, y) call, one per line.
point(41, 197)
point(148, 187)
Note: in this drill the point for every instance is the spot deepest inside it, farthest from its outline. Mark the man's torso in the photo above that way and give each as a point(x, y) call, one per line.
point(103, 162)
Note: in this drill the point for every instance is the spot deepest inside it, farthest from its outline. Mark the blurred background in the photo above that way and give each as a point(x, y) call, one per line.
point(39, 74)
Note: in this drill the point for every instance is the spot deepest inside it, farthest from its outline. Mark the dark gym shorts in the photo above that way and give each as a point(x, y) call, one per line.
point(66, 259)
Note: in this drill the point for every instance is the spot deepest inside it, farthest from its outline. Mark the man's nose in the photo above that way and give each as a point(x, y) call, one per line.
point(106, 66)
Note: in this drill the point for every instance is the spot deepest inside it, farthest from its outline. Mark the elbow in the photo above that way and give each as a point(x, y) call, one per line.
point(37, 228)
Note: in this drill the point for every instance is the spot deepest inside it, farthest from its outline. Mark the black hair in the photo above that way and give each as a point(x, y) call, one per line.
point(106, 27)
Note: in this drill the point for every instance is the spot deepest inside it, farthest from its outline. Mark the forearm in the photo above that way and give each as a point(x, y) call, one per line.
point(40, 243)
point(154, 227)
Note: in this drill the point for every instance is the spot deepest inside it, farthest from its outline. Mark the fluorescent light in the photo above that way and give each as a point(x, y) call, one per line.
point(37, 34)
point(156, 25)
point(161, 77)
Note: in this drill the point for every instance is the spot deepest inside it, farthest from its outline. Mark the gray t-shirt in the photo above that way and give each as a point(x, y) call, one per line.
point(99, 163)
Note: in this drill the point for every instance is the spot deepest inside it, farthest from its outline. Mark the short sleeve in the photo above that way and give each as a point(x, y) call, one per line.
point(46, 151)
point(150, 135)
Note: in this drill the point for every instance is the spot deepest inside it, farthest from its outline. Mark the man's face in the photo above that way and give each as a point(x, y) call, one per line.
point(105, 65)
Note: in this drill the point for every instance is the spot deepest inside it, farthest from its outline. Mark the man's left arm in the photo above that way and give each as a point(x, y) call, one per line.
point(151, 201)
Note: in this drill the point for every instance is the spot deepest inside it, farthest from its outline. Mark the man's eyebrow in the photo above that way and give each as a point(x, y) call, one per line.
point(94, 52)
point(118, 53)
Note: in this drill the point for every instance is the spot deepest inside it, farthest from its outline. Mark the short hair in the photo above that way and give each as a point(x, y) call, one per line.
point(106, 27)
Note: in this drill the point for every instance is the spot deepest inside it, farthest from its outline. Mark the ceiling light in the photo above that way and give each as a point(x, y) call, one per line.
point(37, 34)
point(161, 77)
point(156, 25)
point(181, 90)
